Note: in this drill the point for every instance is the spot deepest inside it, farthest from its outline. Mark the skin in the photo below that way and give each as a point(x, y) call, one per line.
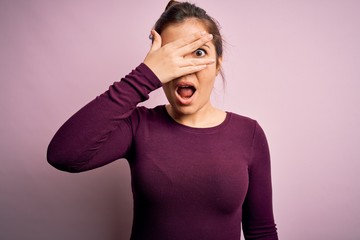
point(185, 55)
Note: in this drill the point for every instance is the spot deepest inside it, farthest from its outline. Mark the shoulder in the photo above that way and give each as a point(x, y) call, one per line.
point(143, 114)
point(146, 111)
point(245, 125)
point(152, 121)
point(242, 121)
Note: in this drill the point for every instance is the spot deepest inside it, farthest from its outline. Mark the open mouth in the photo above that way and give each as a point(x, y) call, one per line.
point(186, 91)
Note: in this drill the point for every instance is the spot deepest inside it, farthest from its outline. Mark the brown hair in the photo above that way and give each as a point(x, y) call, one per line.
point(178, 12)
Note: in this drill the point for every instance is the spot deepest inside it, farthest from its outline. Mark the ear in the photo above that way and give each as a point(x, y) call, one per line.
point(218, 65)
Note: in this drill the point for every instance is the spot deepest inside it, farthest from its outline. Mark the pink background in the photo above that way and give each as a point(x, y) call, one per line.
point(292, 65)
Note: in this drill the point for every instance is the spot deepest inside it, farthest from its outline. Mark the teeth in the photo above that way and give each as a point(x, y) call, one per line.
point(187, 86)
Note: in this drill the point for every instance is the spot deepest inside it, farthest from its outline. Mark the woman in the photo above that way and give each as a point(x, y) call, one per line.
point(197, 171)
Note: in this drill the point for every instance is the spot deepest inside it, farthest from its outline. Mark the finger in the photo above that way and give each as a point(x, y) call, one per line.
point(196, 62)
point(156, 41)
point(188, 39)
point(189, 48)
point(190, 69)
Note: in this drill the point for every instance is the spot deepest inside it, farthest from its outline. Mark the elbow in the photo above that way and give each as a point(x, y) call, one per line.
point(63, 162)
point(60, 165)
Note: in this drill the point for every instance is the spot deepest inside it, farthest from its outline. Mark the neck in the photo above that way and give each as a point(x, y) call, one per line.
point(208, 116)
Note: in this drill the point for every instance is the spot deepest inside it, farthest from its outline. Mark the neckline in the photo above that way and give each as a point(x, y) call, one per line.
point(196, 129)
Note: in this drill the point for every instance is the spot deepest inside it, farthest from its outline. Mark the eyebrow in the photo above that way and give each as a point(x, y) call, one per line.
point(207, 46)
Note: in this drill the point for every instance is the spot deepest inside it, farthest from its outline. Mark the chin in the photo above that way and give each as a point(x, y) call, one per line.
point(187, 110)
point(184, 110)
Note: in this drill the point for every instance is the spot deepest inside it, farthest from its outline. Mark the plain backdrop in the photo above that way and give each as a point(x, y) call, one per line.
point(293, 65)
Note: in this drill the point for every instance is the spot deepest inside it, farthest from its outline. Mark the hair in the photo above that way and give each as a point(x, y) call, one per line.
point(177, 12)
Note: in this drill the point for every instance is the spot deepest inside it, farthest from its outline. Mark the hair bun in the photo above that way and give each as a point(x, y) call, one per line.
point(170, 4)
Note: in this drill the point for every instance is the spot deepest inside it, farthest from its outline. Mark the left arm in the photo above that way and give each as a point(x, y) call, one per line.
point(258, 219)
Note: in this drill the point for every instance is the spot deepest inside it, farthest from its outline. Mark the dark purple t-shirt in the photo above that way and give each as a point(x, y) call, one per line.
point(188, 183)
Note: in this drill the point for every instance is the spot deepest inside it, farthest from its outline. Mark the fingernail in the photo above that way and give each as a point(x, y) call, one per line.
point(210, 36)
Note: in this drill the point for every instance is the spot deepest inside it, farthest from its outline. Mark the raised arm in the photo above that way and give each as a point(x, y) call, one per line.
point(102, 131)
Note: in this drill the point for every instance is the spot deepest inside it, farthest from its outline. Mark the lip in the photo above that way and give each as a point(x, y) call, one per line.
point(181, 100)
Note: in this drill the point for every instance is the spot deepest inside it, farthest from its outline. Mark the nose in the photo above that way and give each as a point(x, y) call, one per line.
point(187, 77)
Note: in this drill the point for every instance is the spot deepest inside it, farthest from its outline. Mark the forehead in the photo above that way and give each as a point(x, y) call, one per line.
point(180, 30)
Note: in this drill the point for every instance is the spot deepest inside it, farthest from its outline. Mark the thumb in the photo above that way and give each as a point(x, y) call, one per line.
point(156, 41)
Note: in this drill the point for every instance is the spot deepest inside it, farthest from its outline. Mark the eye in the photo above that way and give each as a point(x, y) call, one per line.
point(200, 52)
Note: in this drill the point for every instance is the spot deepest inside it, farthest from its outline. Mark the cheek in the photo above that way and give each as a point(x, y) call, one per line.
point(166, 89)
point(208, 75)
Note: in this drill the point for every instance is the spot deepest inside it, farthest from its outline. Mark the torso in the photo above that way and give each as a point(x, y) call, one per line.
point(182, 175)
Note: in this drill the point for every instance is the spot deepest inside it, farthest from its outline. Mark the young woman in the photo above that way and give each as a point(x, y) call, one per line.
point(198, 172)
